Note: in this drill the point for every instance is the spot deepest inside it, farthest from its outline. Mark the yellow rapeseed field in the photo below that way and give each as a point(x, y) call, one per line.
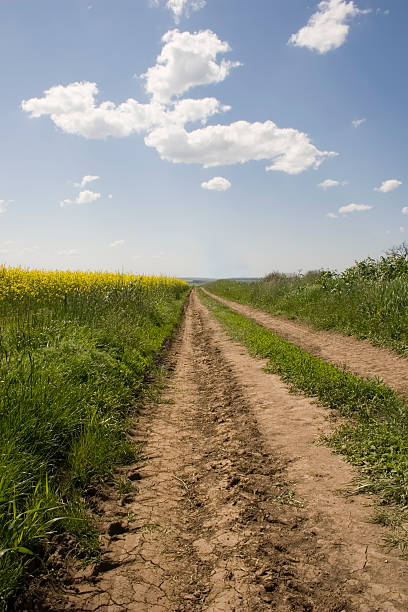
point(20, 283)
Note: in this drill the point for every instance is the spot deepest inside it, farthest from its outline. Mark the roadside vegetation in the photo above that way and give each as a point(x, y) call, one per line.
point(75, 351)
point(368, 300)
point(374, 436)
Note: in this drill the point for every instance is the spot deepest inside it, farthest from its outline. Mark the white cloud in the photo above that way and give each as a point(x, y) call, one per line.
point(62, 104)
point(331, 183)
point(116, 243)
point(402, 229)
point(404, 210)
point(349, 208)
point(184, 7)
point(332, 216)
point(84, 197)
point(87, 196)
point(389, 185)
point(187, 60)
point(73, 109)
point(68, 252)
point(328, 28)
point(290, 150)
point(218, 183)
point(110, 196)
point(87, 179)
point(4, 204)
point(357, 122)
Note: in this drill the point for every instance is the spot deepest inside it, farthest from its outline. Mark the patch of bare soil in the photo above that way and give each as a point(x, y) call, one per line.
point(215, 524)
point(357, 356)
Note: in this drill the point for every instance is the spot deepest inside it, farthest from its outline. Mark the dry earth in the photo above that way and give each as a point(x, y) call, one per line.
point(237, 509)
point(358, 356)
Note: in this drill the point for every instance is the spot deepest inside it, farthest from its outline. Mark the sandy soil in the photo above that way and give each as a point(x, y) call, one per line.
point(237, 509)
point(357, 356)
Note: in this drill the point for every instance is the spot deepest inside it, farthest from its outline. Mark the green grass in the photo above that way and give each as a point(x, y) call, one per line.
point(70, 372)
point(375, 437)
point(368, 300)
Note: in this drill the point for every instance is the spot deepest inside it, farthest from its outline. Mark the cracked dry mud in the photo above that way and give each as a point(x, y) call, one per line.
point(236, 509)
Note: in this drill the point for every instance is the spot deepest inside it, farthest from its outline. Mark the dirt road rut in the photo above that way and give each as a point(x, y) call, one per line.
point(216, 524)
point(358, 356)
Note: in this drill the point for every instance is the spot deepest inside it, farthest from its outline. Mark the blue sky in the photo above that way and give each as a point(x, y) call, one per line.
point(230, 88)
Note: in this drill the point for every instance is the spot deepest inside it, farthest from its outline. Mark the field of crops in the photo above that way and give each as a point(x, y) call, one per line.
point(368, 300)
point(75, 349)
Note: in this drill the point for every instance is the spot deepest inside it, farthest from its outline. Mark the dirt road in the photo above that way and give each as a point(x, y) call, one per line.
point(358, 356)
point(237, 509)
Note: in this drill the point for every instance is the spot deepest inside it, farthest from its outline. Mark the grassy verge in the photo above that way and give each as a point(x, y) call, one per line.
point(74, 355)
point(375, 437)
point(368, 300)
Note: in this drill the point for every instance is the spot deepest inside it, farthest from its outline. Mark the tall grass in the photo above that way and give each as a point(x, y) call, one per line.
point(75, 349)
point(368, 300)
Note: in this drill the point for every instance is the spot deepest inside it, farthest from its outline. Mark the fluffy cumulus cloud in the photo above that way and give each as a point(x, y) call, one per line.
point(74, 110)
point(88, 178)
point(217, 183)
point(84, 197)
point(328, 27)
point(184, 7)
point(350, 208)
point(389, 185)
point(217, 145)
point(331, 183)
point(106, 119)
point(116, 243)
point(187, 60)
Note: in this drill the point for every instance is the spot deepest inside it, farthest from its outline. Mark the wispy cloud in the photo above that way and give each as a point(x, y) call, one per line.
point(116, 243)
point(184, 7)
point(404, 210)
point(389, 185)
point(332, 215)
point(4, 204)
point(68, 253)
point(357, 122)
point(331, 183)
point(350, 208)
point(88, 178)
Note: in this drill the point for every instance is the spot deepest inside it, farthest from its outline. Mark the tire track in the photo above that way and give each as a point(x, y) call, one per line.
point(346, 352)
point(215, 526)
